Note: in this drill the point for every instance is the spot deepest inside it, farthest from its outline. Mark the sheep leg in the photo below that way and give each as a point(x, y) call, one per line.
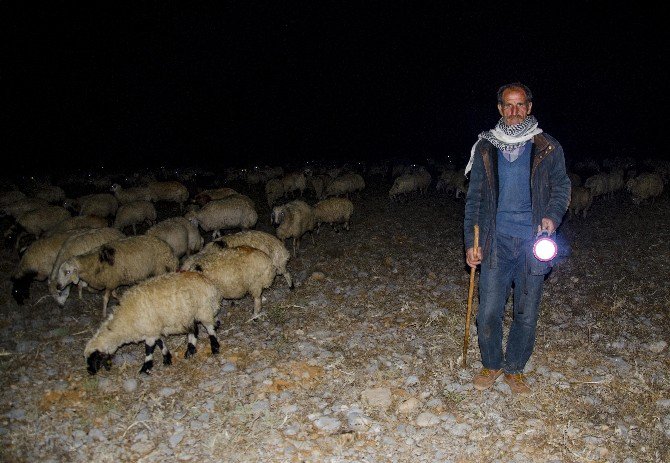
point(134, 230)
point(149, 346)
point(213, 342)
point(105, 301)
point(289, 280)
point(167, 356)
point(192, 340)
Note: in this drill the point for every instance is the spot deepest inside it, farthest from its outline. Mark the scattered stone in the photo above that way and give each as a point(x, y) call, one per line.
point(378, 397)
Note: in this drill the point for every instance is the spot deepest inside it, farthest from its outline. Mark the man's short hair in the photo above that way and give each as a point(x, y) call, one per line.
point(501, 90)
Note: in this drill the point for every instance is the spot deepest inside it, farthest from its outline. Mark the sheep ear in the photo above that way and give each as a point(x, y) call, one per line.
point(107, 255)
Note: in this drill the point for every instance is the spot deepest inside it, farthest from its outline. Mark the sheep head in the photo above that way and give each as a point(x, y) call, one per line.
point(96, 360)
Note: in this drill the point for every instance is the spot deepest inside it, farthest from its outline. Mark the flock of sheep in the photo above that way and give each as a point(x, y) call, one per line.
point(176, 280)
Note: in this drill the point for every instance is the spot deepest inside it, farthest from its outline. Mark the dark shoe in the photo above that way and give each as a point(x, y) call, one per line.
point(516, 383)
point(485, 378)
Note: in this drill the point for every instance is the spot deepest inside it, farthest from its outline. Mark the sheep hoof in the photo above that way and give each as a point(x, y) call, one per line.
point(147, 366)
point(215, 344)
point(190, 351)
point(167, 359)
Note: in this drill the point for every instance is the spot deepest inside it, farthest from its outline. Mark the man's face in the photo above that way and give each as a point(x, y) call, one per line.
point(515, 107)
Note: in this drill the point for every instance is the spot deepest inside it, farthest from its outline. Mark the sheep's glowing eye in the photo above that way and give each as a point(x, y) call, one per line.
point(67, 272)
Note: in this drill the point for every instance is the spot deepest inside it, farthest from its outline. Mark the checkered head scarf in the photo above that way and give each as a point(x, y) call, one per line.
point(507, 137)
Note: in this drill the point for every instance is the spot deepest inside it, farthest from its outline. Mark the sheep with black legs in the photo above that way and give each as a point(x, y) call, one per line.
point(293, 220)
point(118, 263)
point(334, 211)
point(269, 244)
point(161, 306)
point(76, 245)
point(37, 262)
point(236, 271)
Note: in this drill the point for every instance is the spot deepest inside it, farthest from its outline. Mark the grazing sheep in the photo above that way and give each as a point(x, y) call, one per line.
point(78, 221)
point(134, 213)
point(36, 222)
point(99, 204)
point(235, 211)
point(333, 211)
point(580, 201)
point(117, 263)
point(598, 184)
point(645, 186)
point(292, 182)
point(454, 181)
point(345, 184)
point(168, 304)
point(206, 196)
point(402, 185)
point(173, 233)
point(75, 245)
point(269, 244)
point(236, 271)
point(293, 220)
point(37, 262)
point(194, 241)
point(274, 189)
point(126, 195)
point(171, 191)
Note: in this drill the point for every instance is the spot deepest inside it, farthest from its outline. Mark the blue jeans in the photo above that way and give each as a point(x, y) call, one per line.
point(495, 285)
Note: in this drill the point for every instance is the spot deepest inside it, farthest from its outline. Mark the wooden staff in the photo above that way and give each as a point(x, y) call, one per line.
point(470, 292)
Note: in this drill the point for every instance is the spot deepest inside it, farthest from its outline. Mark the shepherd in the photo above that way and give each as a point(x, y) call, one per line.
point(518, 188)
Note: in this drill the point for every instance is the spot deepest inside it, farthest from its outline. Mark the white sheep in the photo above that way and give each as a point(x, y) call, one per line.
point(402, 185)
point(164, 305)
point(194, 241)
point(171, 191)
point(52, 194)
point(173, 233)
point(645, 186)
point(293, 220)
point(117, 263)
point(99, 204)
point(334, 211)
point(235, 211)
point(37, 262)
point(206, 196)
point(292, 182)
point(345, 184)
point(266, 242)
point(580, 201)
point(17, 208)
point(78, 221)
point(274, 189)
point(8, 197)
point(35, 222)
point(126, 195)
point(135, 213)
point(236, 271)
point(75, 245)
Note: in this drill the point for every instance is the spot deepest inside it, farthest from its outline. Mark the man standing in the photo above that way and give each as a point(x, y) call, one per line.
point(518, 187)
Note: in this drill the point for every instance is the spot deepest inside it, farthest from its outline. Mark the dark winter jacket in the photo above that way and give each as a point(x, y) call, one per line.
point(549, 189)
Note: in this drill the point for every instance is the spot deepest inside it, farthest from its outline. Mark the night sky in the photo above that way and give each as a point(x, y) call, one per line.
point(163, 83)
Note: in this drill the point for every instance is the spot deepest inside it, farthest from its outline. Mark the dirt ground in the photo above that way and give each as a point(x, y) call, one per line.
point(361, 361)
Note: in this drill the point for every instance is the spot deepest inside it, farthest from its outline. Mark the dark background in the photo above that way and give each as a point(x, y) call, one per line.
point(238, 83)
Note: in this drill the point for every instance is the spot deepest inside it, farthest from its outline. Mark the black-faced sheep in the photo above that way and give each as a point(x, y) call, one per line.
point(293, 220)
point(135, 213)
point(236, 271)
point(161, 306)
point(37, 262)
point(118, 263)
point(235, 211)
point(75, 245)
point(269, 244)
point(334, 211)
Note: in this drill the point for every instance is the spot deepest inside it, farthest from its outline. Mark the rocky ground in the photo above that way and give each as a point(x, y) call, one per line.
point(362, 361)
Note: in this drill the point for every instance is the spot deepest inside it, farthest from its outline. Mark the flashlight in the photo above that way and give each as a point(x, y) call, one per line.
point(544, 248)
